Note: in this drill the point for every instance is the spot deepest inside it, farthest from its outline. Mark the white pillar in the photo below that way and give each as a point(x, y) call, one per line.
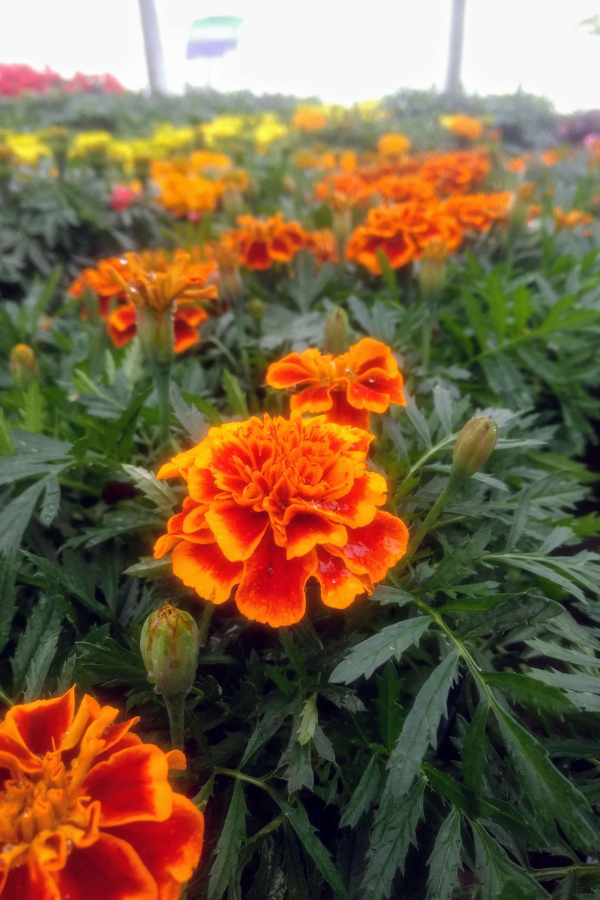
point(154, 55)
point(455, 48)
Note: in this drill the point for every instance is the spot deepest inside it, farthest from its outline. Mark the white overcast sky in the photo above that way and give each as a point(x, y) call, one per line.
point(341, 50)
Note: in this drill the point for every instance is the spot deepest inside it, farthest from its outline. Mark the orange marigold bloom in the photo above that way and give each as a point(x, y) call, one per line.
point(343, 191)
point(549, 157)
point(570, 220)
point(516, 164)
point(184, 193)
point(309, 119)
point(402, 232)
point(463, 126)
point(456, 173)
point(322, 244)
point(346, 388)
point(151, 280)
point(399, 189)
point(272, 503)
point(262, 242)
point(393, 144)
point(86, 809)
point(478, 212)
point(102, 283)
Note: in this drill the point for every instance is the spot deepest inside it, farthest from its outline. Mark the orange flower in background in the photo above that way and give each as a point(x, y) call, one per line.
point(573, 219)
point(399, 189)
point(309, 119)
point(516, 165)
point(401, 233)
point(204, 159)
point(456, 173)
point(550, 158)
point(272, 503)
point(343, 192)
point(182, 191)
point(261, 242)
point(463, 126)
point(86, 809)
point(393, 144)
point(346, 388)
point(322, 244)
point(478, 212)
point(102, 283)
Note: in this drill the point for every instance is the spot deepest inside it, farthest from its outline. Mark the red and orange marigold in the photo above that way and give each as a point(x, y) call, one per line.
point(86, 809)
point(346, 388)
point(272, 503)
point(261, 242)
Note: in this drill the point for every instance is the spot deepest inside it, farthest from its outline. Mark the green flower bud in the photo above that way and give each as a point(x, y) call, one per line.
point(474, 444)
point(336, 332)
point(256, 308)
point(169, 645)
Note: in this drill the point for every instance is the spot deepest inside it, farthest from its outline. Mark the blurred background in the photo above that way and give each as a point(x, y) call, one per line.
point(338, 51)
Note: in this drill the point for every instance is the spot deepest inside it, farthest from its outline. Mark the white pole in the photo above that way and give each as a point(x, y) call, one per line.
point(154, 55)
point(455, 49)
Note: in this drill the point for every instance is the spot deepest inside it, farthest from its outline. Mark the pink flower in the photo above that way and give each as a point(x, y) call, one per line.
point(121, 197)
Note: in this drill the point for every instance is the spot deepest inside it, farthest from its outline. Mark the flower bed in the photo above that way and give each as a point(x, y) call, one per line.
point(298, 504)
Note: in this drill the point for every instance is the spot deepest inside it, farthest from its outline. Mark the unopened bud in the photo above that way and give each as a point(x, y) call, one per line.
point(432, 272)
point(233, 203)
point(23, 366)
point(342, 228)
point(169, 645)
point(256, 308)
point(474, 444)
point(336, 332)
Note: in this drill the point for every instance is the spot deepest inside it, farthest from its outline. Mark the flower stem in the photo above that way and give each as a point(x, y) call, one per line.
point(176, 710)
point(454, 482)
point(162, 382)
point(204, 623)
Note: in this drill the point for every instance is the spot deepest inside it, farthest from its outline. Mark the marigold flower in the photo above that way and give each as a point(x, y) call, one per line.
point(272, 503)
point(478, 212)
point(516, 164)
point(23, 365)
point(342, 192)
point(393, 144)
point(309, 119)
point(400, 189)
point(185, 194)
point(86, 809)
point(455, 173)
point(261, 242)
point(322, 244)
point(570, 220)
point(402, 232)
point(463, 126)
point(549, 158)
point(347, 387)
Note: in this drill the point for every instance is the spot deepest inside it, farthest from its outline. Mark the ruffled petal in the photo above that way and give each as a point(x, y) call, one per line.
point(380, 382)
point(312, 399)
point(342, 413)
point(357, 507)
point(201, 485)
point(108, 870)
point(361, 397)
point(339, 586)
point(122, 324)
point(206, 568)
point(131, 786)
point(237, 529)
point(288, 372)
point(42, 724)
point(376, 547)
point(257, 256)
point(305, 529)
point(30, 882)
point(170, 850)
point(368, 354)
point(272, 587)
point(185, 336)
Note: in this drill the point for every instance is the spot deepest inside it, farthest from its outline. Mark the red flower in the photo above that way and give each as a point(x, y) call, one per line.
point(346, 388)
point(86, 809)
point(121, 197)
point(273, 503)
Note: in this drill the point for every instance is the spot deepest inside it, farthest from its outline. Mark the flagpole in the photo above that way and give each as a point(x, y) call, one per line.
point(152, 45)
point(455, 49)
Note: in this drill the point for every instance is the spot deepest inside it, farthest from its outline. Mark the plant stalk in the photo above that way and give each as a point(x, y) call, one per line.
point(176, 710)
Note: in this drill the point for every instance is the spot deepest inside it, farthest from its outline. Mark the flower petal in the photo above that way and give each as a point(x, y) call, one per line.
point(380, 382)
point(131, 786)
point(30, 881)
point(361, 397)
point(312, 399)
point(357, 507)
point(368, 354)
point(288, 372)
point(108, 870)
point(206, 568)
point(376, 547)
point(42, 724)
point(342, 413)
point(339, 586)
point(272, 587)
point(305, 529)
point(237, 529)
point(170, 850)
point(185, 336)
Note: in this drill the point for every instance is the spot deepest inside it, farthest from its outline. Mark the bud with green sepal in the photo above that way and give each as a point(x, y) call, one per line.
point(336, 332)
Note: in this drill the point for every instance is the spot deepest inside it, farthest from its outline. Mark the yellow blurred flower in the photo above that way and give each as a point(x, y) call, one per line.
point(222, 127)
point(269, 129)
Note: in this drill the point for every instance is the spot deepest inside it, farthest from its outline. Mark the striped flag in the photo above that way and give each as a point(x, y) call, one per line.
point(212, 37)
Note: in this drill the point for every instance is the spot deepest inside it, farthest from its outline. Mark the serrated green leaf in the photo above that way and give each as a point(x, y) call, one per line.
point(365, 793)
point(309, 719)
point(530, 693)
point(229, 844)
point(392, 641)
point(235, 395)
point(444, 862)
point(158, 492)
point(389, 710)
point(51, 501)
point(498, 876)
point(442, 401)
point(473, 751)
point(9, 568)
point(15, 516)
point(556, 651)
point(36, 647)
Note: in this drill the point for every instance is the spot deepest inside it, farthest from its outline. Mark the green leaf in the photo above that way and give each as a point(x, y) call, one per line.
point(388, 276)
point(420, 727)
point(6, 444)
point(555, 651)
point(51, 501)
point(309, 719)
point(444, 862)
point(9, 567)
point(365, 793)
point(459, 563)
point(188, 416)
point(33, 410)
point(149, 568)
point(389, 710)
point(15, 517)
point(494, 295)
point(235, 395)
point(550, 796)
point(275, 712)
point(476, 319)
point(367, 656)
point(473, 751)
point(418, 420)
point(442, 400)
point(389, 844)
point(522, 309)
point(511, 613)
point(36, 647)
point(305, 832)
point(498, 876)
point(158, 492)
point(229, 844)
point(122, 431)
point(530, 693)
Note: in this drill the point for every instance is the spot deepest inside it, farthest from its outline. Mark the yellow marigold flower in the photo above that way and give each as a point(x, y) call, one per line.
point(463, 126)
point(393, 144)
point(309, 119)
point(269, 130)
